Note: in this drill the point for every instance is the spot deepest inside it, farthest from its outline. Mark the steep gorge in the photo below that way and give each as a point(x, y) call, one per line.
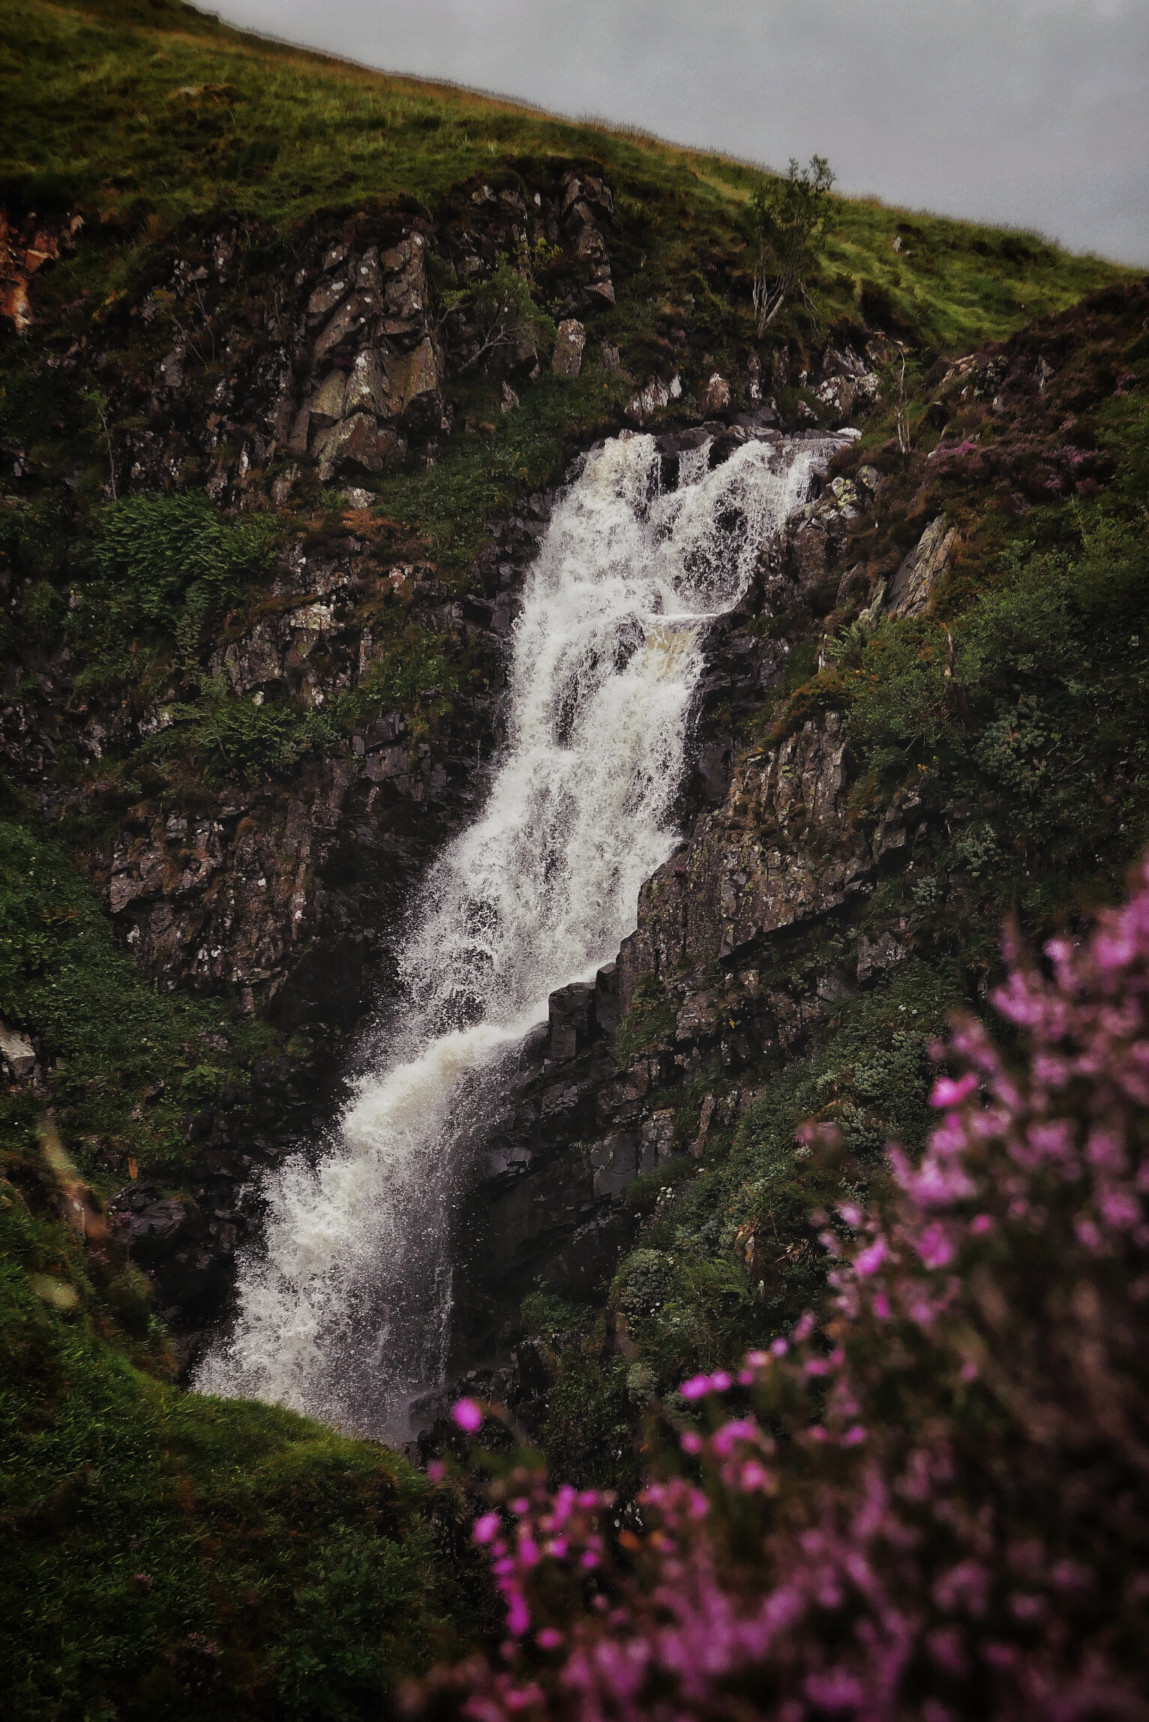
point(347, 1314)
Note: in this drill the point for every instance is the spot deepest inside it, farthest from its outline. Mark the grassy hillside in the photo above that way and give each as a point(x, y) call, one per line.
point(173, 1556)
point(152, 115)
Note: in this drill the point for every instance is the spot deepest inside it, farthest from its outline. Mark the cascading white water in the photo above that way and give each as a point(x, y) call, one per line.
point(343, 1313)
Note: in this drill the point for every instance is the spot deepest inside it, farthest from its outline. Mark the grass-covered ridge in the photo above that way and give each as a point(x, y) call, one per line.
point(150, 116)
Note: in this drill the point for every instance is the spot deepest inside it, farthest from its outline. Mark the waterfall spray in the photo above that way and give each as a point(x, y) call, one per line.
point(343, 1311)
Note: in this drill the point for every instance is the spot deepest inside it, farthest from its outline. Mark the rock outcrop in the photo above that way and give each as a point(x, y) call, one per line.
point(375, 370)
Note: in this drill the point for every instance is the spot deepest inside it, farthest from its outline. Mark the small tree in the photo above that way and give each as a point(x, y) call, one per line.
point(501, 315)
point(789, 216)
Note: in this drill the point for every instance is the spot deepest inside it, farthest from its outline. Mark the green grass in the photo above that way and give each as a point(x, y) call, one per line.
point(151, 116)
point(166, 1554)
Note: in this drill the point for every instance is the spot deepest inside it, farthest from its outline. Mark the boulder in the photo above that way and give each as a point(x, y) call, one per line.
point(357, 444)
point(18, 1052)
point(914, 583)
point(715, 397)
point(652, 398)
point(151, 1223)
point(567, 360)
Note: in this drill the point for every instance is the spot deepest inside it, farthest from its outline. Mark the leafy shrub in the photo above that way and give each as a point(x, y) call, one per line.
point(934, 1506)
point(788, 218)
point(163, 567)
point(150, 550)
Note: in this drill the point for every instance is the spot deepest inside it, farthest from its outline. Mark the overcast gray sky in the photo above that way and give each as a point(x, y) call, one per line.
point(1029, 112)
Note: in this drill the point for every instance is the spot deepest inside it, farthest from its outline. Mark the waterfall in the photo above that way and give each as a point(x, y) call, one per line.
point(343, 1309)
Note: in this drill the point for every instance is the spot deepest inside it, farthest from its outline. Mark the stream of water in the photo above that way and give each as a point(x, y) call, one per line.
point(344, 1306)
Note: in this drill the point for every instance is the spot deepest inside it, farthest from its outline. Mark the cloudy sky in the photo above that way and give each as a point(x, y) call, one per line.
point(1029, 112)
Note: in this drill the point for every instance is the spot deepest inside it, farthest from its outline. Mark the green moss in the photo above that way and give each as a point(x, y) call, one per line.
point(648, 1023)
point(106, 1039)
point(587, 1431)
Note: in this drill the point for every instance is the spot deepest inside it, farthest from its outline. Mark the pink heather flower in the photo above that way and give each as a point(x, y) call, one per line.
point(872, 1257)
point(518, 1615)
point(949, 1093)
point(1087, 1232)
point(690, 1441)
point(779, 1347)
point(980, 1224)
point(695, 1387)
point(934, 1247)
point(549, 1638)
point(468, 1415)
point(720, 1382)
point(1119, 1209)
point(486, 1528)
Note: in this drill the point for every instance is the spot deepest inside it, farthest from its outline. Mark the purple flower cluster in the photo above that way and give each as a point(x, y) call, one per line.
point(933, 1503)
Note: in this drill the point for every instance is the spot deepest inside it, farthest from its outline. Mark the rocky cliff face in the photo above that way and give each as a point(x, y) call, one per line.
point(294, 377)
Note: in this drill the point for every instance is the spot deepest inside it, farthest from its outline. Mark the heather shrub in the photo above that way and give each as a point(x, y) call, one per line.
point(932, 1501)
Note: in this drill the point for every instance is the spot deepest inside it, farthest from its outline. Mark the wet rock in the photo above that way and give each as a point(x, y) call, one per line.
point(571, 1020)
point(778, 851)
